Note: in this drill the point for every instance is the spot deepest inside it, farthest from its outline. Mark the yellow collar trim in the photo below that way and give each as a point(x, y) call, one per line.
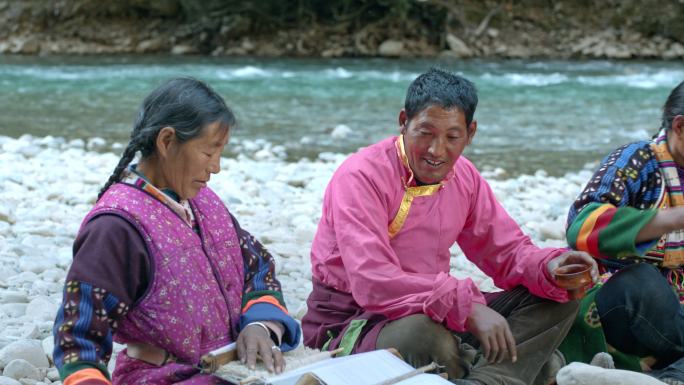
point(411, 192)
point(401, 152)
point(402, 214)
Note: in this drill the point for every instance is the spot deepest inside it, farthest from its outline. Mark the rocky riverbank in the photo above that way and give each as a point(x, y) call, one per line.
point(48, 184)
point(631, 29)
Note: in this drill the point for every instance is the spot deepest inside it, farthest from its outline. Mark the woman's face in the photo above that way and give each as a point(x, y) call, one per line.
point(187, 167)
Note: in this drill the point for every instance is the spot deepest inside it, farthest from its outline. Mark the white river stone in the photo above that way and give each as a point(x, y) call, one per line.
point(13, 309)
point(42, 308)
point(29, 350)
point(48, 345)
point(8, 381)
point(19, 368)
point(11, 296)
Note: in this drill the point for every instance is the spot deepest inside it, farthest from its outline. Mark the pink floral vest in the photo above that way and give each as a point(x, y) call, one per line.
point(192, 304)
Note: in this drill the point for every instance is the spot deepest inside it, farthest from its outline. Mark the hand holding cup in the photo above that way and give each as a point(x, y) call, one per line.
point(574, 271)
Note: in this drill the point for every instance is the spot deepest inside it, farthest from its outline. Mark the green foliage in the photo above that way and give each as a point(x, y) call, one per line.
point(302, 13)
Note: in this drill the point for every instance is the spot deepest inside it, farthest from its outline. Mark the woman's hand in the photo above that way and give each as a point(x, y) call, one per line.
point(254, 340)
point(665, 221)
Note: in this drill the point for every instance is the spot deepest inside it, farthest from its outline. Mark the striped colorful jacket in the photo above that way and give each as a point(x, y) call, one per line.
point(622, 196)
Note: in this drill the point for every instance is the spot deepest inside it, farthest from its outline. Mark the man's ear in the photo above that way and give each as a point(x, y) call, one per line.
point(472, 130)
point(403, 121)
point(165, 139)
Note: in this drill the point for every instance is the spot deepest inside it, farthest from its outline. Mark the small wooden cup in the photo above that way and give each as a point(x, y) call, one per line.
point(574, 278)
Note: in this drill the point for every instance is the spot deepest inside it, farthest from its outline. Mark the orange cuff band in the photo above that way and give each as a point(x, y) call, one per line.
point(265, 299)
point(84, 375)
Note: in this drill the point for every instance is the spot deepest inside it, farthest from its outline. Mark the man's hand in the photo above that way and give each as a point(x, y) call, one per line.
point(572, 257)
point(491, 329)
point(255, 339)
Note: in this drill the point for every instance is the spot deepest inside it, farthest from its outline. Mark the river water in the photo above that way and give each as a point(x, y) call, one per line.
point(550, 115)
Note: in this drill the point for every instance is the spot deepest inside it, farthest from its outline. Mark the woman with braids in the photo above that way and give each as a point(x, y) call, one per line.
point(630, 217)
point(162, 266)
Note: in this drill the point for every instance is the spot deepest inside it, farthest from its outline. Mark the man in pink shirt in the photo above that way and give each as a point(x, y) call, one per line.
point(380, 257)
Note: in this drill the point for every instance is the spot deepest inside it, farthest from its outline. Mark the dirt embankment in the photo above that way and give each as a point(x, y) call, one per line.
point(613, 29)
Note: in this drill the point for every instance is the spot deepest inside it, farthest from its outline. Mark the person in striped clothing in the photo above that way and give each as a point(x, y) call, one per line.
point(630, 217)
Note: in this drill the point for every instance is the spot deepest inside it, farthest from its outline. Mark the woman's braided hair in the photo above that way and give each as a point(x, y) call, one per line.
point(185, 104)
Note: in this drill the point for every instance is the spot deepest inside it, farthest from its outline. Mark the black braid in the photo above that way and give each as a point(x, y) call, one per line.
point(126, 159)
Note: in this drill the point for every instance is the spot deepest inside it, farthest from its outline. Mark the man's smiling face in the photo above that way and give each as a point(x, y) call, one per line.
point(434, 139)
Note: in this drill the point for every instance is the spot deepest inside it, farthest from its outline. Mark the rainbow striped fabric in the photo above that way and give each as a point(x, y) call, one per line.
point(625, 193)
point(621, 197)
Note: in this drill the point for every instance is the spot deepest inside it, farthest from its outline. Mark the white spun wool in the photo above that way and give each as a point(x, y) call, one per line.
point(582, 374)
point(293, 359)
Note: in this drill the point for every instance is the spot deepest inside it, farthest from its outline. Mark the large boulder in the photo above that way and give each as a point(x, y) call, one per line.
point(391, 48)
point(458, 47)
point(184, 49)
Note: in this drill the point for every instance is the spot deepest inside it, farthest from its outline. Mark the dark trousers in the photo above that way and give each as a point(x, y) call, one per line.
point(641, 315)
point(538, 326)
